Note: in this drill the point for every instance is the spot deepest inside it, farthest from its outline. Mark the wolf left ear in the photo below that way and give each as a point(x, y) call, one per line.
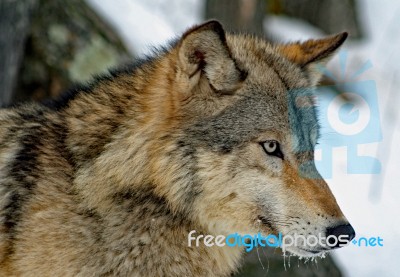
point(203, 49)
point(313, 53)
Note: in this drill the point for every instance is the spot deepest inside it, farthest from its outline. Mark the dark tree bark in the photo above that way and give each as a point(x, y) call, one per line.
point(15, 18)
point(331, 16)
point(47, 45)
point(67, 43)
point(238, 15)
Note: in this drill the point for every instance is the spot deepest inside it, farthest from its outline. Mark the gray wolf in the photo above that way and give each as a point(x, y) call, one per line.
point(210, 134)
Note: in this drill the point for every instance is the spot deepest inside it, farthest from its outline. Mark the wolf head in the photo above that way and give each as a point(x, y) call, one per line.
point(224, 127)
point(236, 131)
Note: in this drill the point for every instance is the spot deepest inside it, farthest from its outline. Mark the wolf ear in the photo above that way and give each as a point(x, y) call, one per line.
point(313, 54)
point(203, 49)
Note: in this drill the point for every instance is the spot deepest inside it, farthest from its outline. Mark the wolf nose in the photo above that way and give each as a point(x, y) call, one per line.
point(339, 236)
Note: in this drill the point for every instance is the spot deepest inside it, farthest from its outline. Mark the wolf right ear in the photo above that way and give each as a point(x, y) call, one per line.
point(313, 53)
point(203, 49)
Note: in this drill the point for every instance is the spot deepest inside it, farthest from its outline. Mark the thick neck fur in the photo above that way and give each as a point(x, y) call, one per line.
point(109, 133)
point(143, 238)
point(115, 140)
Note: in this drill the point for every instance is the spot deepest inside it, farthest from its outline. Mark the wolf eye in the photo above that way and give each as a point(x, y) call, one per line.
point(272, 148)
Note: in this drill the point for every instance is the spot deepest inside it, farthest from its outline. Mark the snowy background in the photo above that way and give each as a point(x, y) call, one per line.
point(370, 202)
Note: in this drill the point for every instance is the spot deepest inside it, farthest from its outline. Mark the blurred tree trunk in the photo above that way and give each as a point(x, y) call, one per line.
point(15, 18)
point(47, 49)
point(238, 15)
point(331, 16)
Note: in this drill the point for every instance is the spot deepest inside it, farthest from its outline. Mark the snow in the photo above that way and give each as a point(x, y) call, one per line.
point(370, 202)
point(142, 24)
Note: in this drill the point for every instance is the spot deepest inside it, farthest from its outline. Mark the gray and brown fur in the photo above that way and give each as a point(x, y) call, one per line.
point(111, 179)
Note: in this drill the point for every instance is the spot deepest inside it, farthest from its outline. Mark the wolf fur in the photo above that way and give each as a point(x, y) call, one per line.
point(110, 179)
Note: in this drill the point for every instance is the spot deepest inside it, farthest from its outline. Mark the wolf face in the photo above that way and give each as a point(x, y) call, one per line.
point(248, 128)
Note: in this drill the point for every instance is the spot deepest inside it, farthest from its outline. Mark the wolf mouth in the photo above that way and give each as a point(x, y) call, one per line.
point(268, 223)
